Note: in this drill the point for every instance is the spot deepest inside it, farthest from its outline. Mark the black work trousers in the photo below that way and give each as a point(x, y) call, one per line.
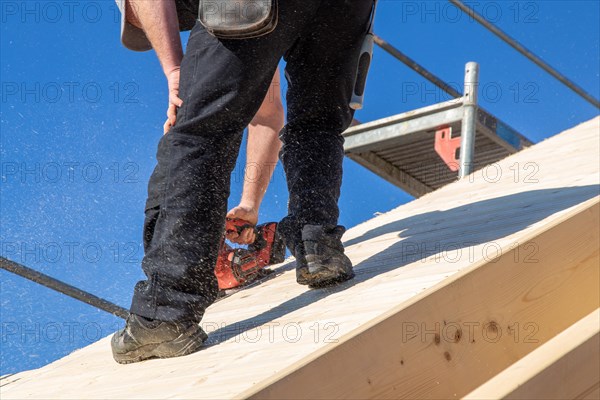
point(223, 83)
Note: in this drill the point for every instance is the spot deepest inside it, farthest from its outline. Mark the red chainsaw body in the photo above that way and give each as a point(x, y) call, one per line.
point(236, 267)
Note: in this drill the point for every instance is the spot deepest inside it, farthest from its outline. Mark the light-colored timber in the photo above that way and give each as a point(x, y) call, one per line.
point(446, 341)
point(566, 367)
point(511, 251)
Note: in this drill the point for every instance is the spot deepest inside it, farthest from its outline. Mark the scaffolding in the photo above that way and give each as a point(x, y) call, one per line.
point(422, 150)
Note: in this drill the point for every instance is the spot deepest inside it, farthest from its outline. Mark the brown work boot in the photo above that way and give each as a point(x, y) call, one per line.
point(302, 276)
point(143, 339)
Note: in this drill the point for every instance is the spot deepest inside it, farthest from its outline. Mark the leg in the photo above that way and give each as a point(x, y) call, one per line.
point(186, 203)
point(190, 185)
point(223, 83)
point(321, 70)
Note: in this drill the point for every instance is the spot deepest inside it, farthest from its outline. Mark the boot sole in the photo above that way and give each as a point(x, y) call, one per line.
point(302, 276)
point(322, 274)
point(321, 280)
point(182, 346)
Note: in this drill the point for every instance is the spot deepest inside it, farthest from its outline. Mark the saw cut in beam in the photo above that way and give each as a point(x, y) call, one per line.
point(567, 367)
point(462, 332)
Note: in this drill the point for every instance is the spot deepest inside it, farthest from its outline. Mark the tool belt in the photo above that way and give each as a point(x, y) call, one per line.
point(238, 19)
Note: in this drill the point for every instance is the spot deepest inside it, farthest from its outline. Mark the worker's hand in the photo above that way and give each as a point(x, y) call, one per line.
point(174, 101)
point(249, 214)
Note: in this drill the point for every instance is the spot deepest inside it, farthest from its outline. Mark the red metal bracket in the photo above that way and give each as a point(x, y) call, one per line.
point(448, 148)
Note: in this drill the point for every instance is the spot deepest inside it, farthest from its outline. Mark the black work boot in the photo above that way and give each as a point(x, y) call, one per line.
point(142, 339)
point(324, 262)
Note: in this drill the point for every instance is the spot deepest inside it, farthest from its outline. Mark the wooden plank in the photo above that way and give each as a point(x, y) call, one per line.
point(476, 213)
point(566, 367)
point(462, 332)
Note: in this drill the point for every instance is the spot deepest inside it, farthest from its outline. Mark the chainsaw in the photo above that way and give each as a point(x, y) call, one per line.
point(239, 266)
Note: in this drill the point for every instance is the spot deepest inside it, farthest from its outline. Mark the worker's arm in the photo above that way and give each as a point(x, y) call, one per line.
point(262, 153)
point(159, 21)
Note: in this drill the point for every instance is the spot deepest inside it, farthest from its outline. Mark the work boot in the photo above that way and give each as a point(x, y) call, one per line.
point(143, 339)
point(302, 276)
point(322, 262)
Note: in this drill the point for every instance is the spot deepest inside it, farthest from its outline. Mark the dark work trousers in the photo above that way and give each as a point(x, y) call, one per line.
point(223, 83)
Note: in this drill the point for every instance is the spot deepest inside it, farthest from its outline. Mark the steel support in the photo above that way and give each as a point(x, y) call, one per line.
point(469, 121)
point(62, 287)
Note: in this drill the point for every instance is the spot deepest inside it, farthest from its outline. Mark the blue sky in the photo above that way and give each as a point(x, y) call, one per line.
point(81, 117)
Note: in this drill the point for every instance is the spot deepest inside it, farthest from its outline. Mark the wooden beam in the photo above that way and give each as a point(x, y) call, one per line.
point(566, 367)
point(457, 335)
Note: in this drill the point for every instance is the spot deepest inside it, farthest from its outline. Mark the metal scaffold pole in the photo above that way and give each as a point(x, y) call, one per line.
point(469, 121)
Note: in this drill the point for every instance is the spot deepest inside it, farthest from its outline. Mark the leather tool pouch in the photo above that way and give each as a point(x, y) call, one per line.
point(238, 19)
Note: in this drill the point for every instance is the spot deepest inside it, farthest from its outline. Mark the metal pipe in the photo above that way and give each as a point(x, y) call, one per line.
point(469, 121)
point(410, 63)
point(527, 53)
point(63, 287)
